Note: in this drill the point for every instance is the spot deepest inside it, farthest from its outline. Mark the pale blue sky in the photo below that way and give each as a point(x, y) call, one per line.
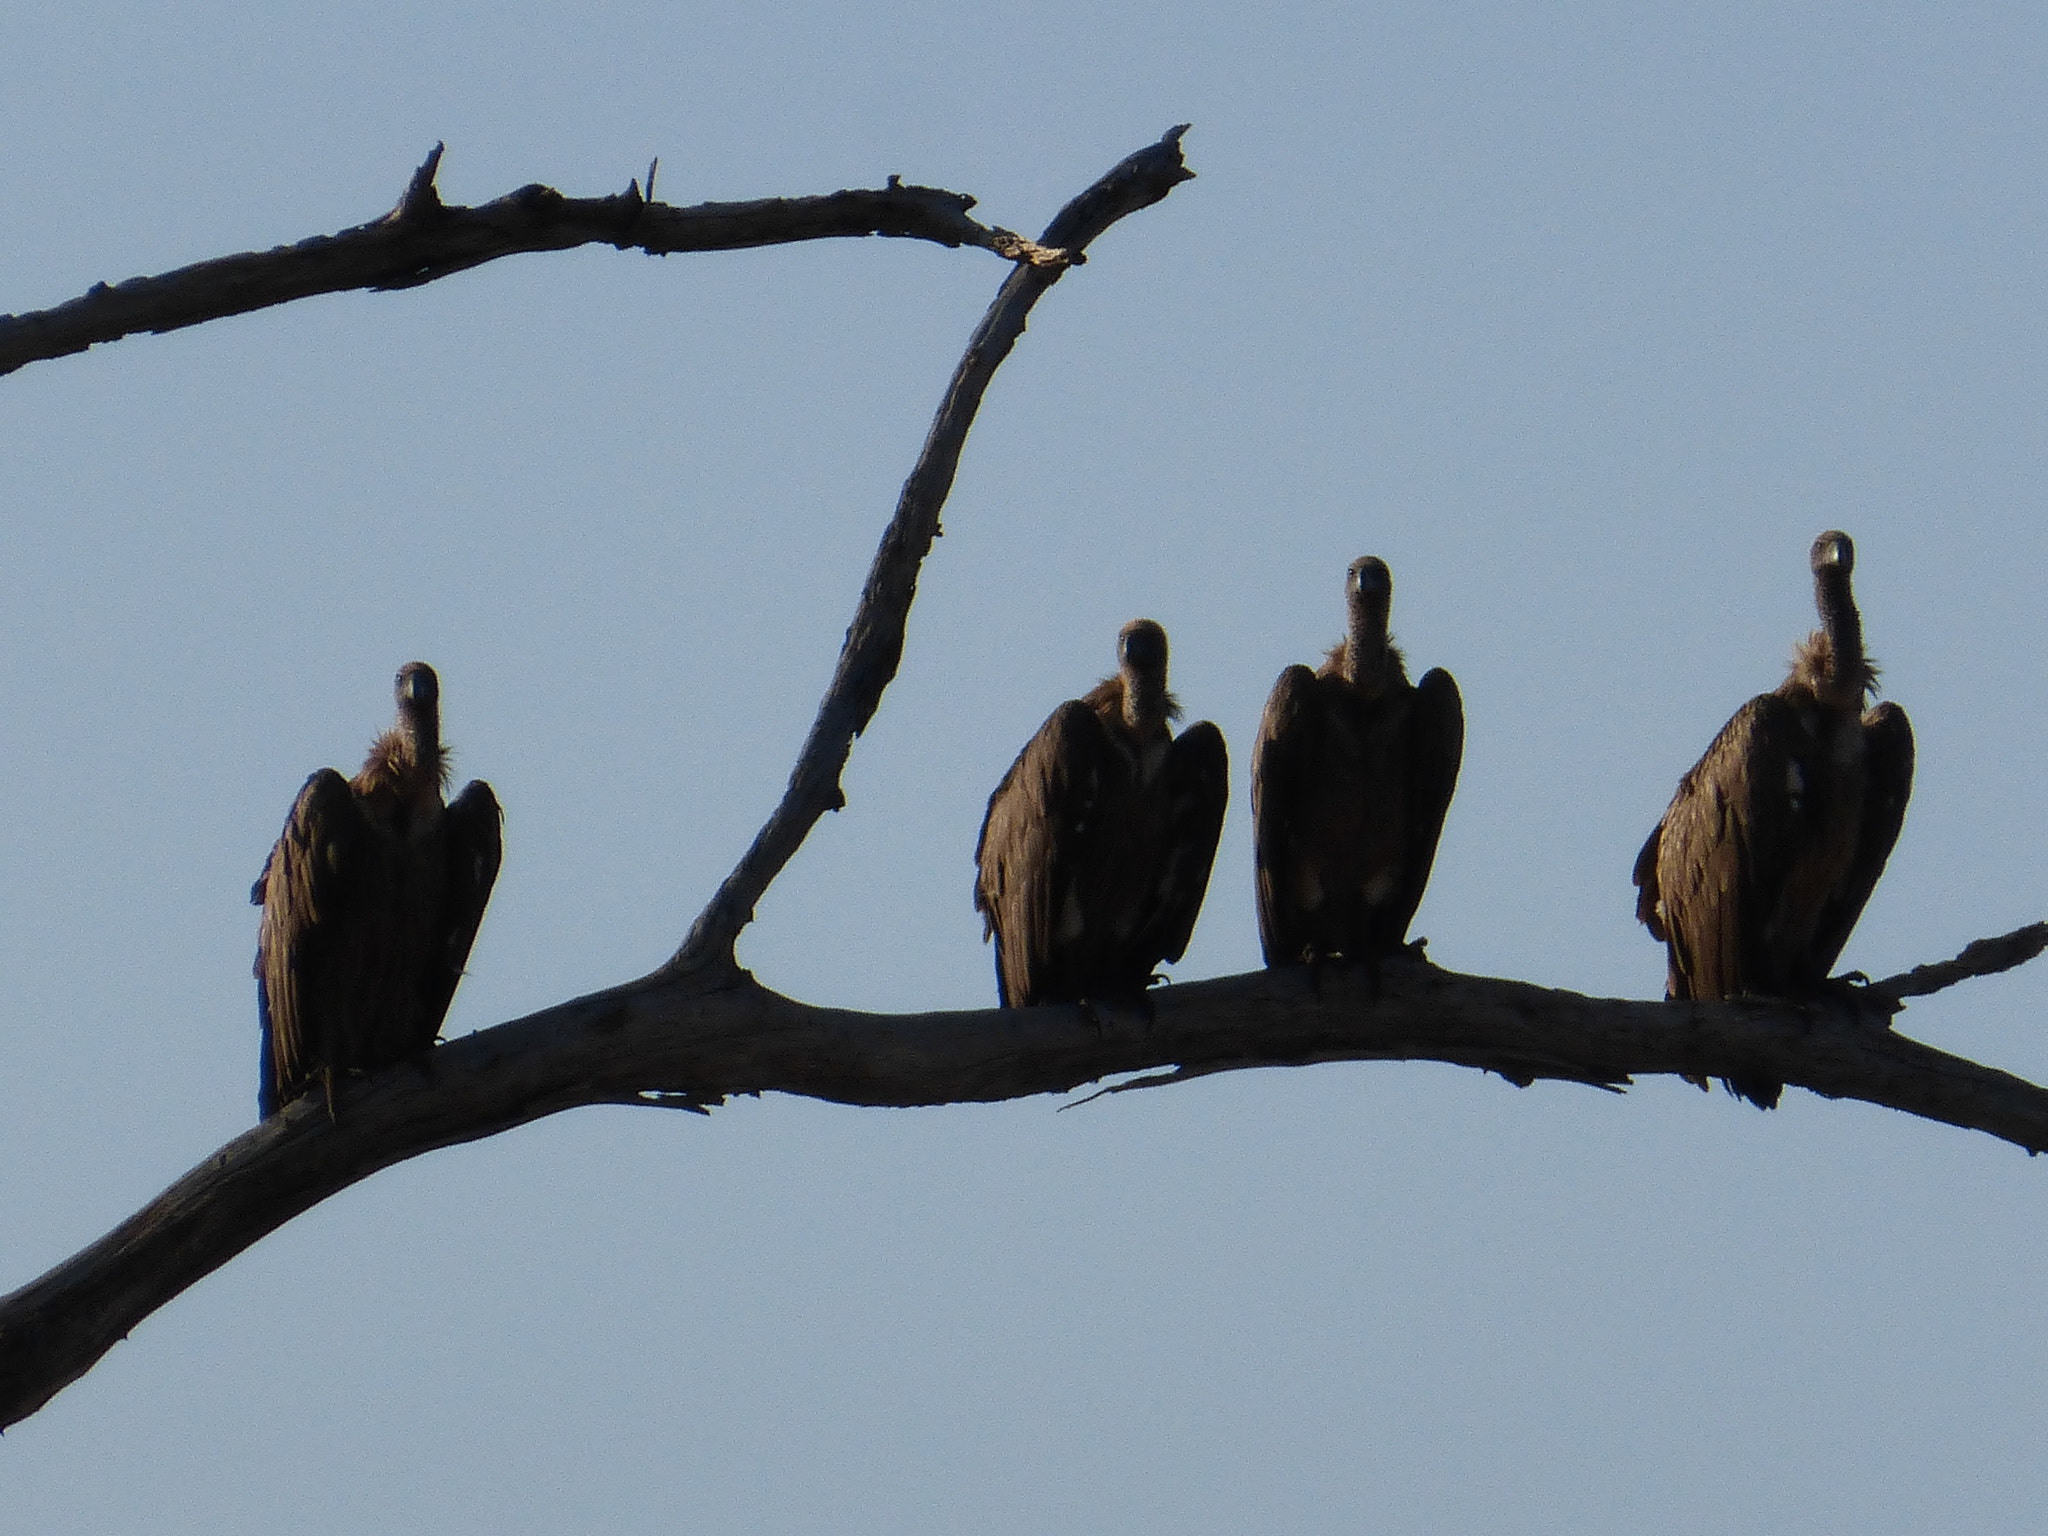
point(1586, 319)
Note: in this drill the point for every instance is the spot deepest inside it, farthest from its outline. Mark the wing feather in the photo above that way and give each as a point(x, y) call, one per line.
point(1196, 784)
point(1436, 747)
point(1888, 760)
point(1036, 855)
point(312, 891)
point(1724, 849)
point(472, 849)
point(1284, 763)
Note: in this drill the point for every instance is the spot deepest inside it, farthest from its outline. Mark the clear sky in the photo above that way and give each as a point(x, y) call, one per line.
point(1586, 319)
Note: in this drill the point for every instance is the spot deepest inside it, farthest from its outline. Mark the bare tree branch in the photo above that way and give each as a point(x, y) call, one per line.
point(1981, 957)
point(423, 239)
point(874, 640)
point(693, 1039)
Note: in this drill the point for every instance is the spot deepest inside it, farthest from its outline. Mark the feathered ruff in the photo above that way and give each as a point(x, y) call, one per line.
point(395, 760)
point(1815, 670)
point(1394, 674)
point(1106, 698)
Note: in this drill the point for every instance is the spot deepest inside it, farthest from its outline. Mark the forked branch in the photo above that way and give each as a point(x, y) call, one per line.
point(874, 640)
point(54, 1329)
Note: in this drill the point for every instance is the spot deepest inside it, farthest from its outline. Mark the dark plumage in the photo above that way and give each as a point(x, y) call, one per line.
point(1777, 835)
point(371, 899)
point(1096, 847)
point(1353, 772)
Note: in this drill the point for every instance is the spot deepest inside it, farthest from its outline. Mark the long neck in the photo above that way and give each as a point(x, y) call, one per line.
point(420, 723)
point(1847, 676)
point(1368, 657)
point(1146, 706)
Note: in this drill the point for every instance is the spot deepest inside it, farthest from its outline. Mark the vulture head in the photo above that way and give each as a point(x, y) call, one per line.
point(1365, 656)
point(419, 721)
point(1141, 650)
point(1831, 661)
point(1833, 553)
point(417, 685)
point(418, 692)
point(1141, 664)
point(407, 766)
point(1369, 584)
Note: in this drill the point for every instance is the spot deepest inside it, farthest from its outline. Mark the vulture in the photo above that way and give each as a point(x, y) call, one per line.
point(1095, 851)
point(371, 899)
point(1776, 836)
point(1351, 777)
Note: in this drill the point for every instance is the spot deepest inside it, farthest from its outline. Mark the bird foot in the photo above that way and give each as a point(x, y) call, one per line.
point(1851, 990)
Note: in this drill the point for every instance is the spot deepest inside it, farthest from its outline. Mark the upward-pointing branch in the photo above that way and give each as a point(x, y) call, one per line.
point(874, 640)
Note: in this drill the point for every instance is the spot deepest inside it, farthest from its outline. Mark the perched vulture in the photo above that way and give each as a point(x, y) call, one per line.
point(1351, 777)
point(1777, 835)
point(1096, 847)
point(370, 900)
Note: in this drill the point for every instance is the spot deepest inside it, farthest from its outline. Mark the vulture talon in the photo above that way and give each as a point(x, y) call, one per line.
point(1851, 991)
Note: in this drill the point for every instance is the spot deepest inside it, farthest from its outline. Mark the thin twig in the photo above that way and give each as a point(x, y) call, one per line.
point(422, 200)
point(1980, 957)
